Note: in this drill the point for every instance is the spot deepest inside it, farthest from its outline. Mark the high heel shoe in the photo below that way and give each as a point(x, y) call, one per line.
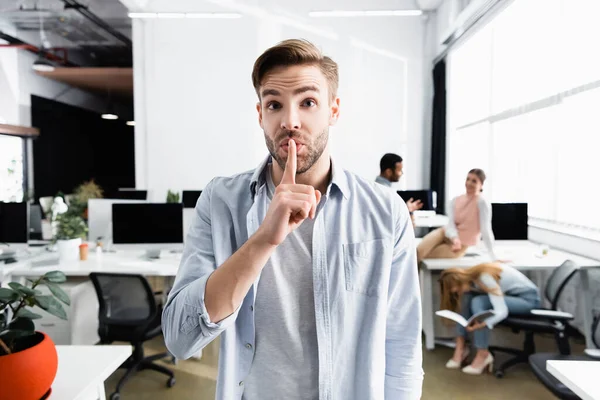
point(451, 364)
point(488, 363)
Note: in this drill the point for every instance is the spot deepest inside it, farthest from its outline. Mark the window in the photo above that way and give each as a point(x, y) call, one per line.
point(523, 93)
point(11, 168)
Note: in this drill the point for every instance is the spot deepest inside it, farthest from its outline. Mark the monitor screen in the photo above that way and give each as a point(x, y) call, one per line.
point(14, 222)
point(189, 198)
point(128, 194)
point(427, 197)
point(148, 223)
point(100, 217)
point(509, 221)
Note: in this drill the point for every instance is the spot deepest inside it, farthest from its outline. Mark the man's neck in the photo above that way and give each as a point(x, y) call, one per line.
point(318, 176)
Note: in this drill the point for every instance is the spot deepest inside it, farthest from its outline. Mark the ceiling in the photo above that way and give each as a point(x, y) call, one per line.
point(117, 81)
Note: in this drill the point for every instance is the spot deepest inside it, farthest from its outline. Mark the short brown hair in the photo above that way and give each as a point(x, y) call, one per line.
point(295, 52)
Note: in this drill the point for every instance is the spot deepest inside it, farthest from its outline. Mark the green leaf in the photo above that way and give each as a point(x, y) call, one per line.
point(25, 313)
point(51, 305)
point(8, 295)
point(58, 293)
point(23, 289)
point(55, 277)
point(22, 324)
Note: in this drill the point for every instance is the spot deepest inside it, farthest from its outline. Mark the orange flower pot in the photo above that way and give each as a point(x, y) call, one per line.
point(28, 374)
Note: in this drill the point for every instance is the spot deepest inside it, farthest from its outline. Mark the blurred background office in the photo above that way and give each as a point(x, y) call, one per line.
point(126, 109)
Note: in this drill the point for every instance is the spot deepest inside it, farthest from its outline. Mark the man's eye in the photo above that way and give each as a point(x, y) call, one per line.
point(309, 103)
point(273, 106)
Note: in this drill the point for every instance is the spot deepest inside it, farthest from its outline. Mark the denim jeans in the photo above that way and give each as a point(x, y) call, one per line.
point(474, 302)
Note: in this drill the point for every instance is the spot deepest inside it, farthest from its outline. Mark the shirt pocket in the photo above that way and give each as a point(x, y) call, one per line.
point(365, 266)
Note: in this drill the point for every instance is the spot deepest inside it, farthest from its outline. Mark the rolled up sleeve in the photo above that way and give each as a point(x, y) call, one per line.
point(186, 324)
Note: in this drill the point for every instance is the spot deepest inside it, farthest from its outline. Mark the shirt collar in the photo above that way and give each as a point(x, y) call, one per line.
point(339, 179)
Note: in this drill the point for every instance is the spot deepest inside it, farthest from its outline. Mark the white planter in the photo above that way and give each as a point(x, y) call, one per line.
point(68, 250)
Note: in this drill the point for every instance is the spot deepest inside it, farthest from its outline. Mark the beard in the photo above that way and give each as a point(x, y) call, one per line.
point(313, 149)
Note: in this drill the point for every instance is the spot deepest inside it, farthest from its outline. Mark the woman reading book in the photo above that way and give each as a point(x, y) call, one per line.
point(491, 286)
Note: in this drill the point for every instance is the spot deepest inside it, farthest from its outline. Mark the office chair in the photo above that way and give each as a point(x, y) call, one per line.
point(538, 366)
point(128, 312)
point(541, 320)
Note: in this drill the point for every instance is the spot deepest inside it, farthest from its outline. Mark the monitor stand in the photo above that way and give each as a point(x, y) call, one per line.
point(152, 254)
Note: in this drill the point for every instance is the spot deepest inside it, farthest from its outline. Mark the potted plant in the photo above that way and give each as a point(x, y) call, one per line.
point(84, 192)
point(28, 359)
point(172, 197)
point(70, 231)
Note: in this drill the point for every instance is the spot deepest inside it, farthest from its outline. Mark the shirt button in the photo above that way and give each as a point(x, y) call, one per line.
point(251, 308)
point(241, 383)
point(248, 346)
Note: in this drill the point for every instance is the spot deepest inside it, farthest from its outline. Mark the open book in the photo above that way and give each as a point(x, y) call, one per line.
point(481, 316)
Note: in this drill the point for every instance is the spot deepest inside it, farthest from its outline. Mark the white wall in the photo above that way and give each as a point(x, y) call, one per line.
point(195, 104)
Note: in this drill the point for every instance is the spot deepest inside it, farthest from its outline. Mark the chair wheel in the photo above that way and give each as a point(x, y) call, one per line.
point(115, 396)
point(170, 382)
point(499, 374)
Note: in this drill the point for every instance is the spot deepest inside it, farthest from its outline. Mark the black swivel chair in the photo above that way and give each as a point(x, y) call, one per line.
point(541, 321)
point(128, 313)
point(538, 365)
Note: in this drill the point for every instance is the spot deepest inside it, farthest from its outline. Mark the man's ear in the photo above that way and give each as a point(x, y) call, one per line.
point(334, 111)
point(259, 109)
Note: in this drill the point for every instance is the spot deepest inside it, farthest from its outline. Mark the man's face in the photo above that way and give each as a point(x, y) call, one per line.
point(396, 174)
point(295, 103)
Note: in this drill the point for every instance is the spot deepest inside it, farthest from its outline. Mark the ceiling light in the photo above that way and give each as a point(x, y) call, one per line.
point(184, 15)
point(368, 13)
point(42, 65)
point(131, 123)
point(109, 116)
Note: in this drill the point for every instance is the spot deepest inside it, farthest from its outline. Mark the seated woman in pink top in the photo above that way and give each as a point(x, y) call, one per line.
point(470, 218)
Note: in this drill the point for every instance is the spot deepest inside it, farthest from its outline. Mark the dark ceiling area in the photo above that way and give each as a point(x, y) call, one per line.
point(86, 33)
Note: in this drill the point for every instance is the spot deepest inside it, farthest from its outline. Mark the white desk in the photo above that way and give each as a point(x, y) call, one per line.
point(435, 221)
point(579, 376)
point(523, 255)
point(130, 262)
point(82, 370)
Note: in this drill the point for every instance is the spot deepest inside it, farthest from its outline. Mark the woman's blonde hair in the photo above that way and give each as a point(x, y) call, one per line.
point(457, 277)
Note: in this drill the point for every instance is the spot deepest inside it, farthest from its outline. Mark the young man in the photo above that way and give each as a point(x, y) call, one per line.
point(306, 271)
point(391, 167)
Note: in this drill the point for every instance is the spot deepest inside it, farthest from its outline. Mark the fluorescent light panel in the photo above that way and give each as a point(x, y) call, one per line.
point(183, 15)
point(109, 116)
point(366, 13)
point(130, 123)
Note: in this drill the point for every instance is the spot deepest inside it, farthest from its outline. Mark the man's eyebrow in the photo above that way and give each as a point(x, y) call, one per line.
point(308, 88)
point(270, 92)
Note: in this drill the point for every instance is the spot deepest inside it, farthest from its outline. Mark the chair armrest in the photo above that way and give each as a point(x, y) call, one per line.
point(560, 315)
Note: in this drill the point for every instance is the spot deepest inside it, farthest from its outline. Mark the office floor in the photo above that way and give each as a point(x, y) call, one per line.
point(196, 378)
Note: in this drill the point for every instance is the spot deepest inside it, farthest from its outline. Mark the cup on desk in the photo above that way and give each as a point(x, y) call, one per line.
point(83, 251)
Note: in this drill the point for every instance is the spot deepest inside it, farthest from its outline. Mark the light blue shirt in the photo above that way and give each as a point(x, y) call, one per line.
point(365, 285)
point(381, 180)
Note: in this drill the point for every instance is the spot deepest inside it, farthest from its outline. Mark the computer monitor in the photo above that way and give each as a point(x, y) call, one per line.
point(509, 221)
point(151, 226)
point(100, 217)
point(128, 194)
point(189, 198)
point(35, 222)
point(14, 225)
point(428, 197)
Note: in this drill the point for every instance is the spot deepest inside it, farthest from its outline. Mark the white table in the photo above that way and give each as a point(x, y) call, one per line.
point(435, 221)
point(524, 256)
point(82, 370)
point(579, 376)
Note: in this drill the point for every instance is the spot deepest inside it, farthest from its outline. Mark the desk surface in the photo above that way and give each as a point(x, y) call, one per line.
point(435, 221)
point(579, 376)
point(131, 262)
point(81, 369)
point(522, 254)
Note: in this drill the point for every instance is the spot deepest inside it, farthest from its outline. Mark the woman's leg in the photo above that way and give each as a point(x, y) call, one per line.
point(444, 250)
point(522, 305)
point(481, 337)
point(465, 311)
point(429, 242)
